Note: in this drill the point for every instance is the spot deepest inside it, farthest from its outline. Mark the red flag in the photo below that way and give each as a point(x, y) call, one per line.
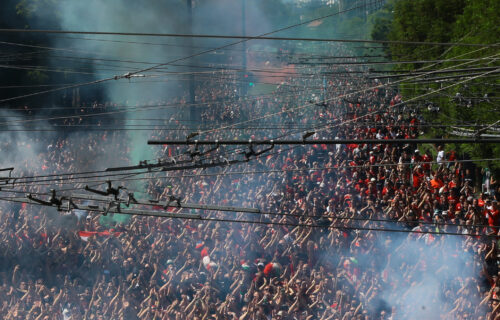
point(204, 252)
point(85, 235)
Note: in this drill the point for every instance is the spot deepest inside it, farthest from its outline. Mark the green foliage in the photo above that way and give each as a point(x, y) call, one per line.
point(468, 21)
point(381, 24)
point(276, 10)
point(31, 8)
point(423, 21)
point(381, 28)
point(37, 76)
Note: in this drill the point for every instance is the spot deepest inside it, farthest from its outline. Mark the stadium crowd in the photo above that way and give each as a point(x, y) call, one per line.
point(315, 252)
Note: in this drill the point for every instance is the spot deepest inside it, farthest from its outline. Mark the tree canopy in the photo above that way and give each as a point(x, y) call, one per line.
point(460, 21)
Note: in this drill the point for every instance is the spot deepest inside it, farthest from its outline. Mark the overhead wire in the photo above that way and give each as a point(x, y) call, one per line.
point(305, 225)
point(225, 68)
point(154, 127)
point(346, 218)
point(172, 61)
point(434, 91)
point(259, 37)
point(106, 173)
point(330, 215)
point(249, 50)
point(125, 110)
point(66, 180)
point(347, 95)
point(222, 66)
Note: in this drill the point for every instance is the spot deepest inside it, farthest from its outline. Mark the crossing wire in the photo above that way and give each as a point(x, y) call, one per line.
point(260, 37)
point(67, 180)
point(446, 87)
point(172, 61)
point(290, 224)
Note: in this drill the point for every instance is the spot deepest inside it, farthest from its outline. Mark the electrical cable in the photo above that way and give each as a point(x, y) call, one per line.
point(260, 37)
point(430, 93)
point(153, 127)
point(257, 211)
point(346, 95)
point(164, 64)
point(302, 225)
point(315, 142)
point(308, 170)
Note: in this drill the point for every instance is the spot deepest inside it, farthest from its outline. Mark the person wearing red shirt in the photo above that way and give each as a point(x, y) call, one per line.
point(418, 176)
point(426, 158)
point(491, 213)
point(481, 201)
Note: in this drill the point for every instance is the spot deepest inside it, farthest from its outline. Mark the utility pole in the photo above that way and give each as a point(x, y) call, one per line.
point(365, 10)
point(244, 44)
point(192, 93)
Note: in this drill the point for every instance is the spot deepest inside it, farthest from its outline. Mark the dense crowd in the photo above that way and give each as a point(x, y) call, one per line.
point(316, 252)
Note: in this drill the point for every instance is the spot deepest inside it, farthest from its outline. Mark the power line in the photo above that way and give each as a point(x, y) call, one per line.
point(225, 66)
point(361, 91)
point(172, 61)
point(418, 72)
point(423, 95)
point(313, 142)
point(269, 52)
point(363, 63)
point(107, 79)
point(261, 37)
point(201, 75)
point(164, 165)
point(178, 204)
point(308, 170)
point(268, 171)
point(125, 110)
point(461, 76)
point(280, 72)
point(246, 98)
point(153, 127)
point(187, 216)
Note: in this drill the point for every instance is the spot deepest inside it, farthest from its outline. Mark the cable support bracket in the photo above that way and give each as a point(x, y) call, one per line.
point(307, 135)
point(6, 180)
point(53, 201)
point(109, 190)
point(251, 151)
point(170, 199)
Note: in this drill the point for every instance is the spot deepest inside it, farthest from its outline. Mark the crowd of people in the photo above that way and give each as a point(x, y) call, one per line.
point(358, 231)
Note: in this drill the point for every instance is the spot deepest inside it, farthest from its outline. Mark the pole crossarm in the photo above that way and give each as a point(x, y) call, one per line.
point(108, 209)
point(313, 142)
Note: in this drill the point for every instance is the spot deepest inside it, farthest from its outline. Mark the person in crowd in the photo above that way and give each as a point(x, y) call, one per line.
point(358, 231)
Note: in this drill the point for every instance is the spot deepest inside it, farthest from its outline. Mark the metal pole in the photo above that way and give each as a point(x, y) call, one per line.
point(312, 142)
point(244, 31)
point(244, 44)
point(192, 93)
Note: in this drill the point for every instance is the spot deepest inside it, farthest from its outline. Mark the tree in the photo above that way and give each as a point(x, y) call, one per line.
point(468, 21)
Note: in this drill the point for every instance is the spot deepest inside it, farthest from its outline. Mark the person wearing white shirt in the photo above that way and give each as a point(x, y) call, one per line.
point(440, 155)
